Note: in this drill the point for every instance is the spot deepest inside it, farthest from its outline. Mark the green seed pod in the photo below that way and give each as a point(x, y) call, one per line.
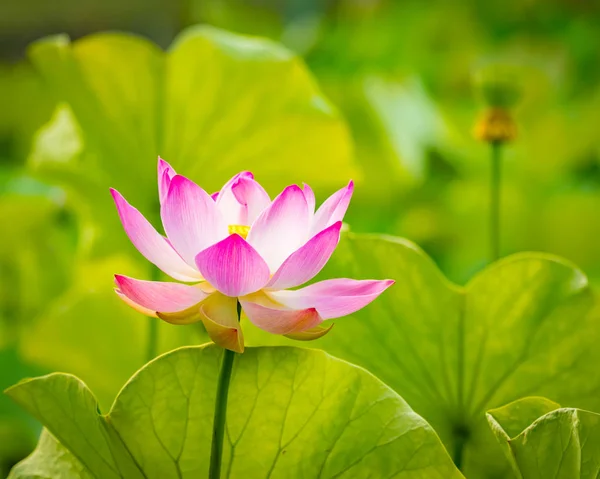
point(498, 86)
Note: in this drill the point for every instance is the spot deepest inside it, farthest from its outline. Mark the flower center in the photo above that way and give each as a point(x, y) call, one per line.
point(241, 230)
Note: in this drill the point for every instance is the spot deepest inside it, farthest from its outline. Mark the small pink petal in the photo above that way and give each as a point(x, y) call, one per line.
point(165, 173)
point(310, 198)
point(157, 296)
point(333, 209)
point(191, 219)
point(277, 320)
point(163, 166)
point(150, 243)
point(333, 298)
point(252, 197)
point(281, 228)
point(227, 205)
point(304, 263)
point(233, 267)
point(242, 199)
point(234, 178)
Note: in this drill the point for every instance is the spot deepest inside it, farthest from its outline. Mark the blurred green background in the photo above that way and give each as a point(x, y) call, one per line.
point(402, 76)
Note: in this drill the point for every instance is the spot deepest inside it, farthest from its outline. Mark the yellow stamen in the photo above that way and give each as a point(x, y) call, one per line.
point(241, 230)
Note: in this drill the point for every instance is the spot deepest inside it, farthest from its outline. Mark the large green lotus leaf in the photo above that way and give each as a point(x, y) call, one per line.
point(18, 430)
point(90, 332)
point(50, 460)
point(541, 439)
point(216, 103)
point(292, 413)
point(523, 326)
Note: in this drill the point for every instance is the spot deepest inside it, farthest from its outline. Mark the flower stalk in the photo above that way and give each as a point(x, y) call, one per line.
point(216, 453)
point(496, 126)
point(495, 196)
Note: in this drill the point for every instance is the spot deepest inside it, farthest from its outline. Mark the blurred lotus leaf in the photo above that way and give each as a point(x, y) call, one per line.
point(35, 253)
point(410, 119)
point(541, 439)
point(25, 107)
point(216, 103)
point(525, 325)
point(90, 332)
point(311, 415)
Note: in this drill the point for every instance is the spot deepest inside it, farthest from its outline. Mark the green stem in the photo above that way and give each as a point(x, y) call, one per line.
point(461, 435)
point(152, 344)
point(457, 456)
point(495, 182)
point(216, 453)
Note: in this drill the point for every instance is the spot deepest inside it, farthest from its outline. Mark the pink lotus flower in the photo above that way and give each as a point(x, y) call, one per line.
point(239, 245)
